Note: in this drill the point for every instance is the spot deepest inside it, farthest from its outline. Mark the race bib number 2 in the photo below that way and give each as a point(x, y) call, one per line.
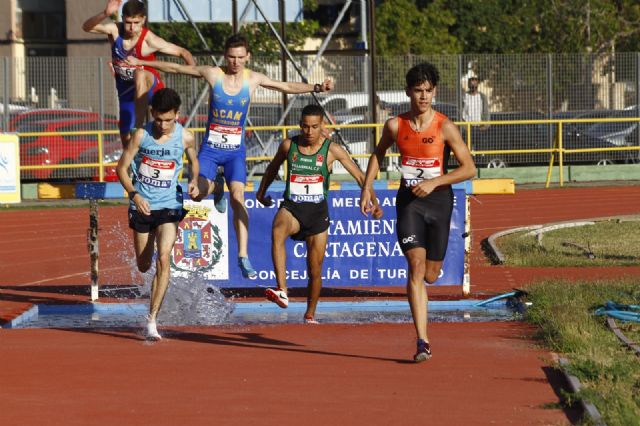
point(306, 188)
point(158, 173)
point(415, 170)
point(225, 137)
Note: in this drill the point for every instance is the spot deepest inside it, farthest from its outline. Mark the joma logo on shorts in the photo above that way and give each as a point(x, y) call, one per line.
point(409, 239)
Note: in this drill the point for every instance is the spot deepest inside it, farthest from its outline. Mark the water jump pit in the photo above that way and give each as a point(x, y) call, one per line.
point(132, 314)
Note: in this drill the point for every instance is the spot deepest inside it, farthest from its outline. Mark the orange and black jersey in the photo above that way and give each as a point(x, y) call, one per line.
point(423, 154)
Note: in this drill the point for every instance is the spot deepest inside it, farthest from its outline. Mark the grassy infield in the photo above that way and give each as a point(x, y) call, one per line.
point(609, 373)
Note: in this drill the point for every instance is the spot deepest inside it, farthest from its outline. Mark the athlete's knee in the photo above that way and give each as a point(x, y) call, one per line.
point(431, 276)
point(144, 265)
point(164, 261)
point(432, 272)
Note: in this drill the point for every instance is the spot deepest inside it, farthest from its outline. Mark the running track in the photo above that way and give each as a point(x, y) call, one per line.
point(490, 373)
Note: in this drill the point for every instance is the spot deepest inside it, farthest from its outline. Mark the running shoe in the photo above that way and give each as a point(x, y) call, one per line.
point(310, 320)
point(151, 332)
point(424, 351)
point(246, 268)
point(218, 194)
point(277, 296)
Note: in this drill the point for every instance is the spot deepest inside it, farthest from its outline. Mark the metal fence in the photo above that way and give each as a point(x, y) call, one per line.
point(60, 94)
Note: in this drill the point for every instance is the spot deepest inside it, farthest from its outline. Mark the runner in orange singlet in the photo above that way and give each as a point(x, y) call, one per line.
point(424, 201)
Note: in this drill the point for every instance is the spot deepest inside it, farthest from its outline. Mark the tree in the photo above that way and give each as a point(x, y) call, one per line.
point(402, 28)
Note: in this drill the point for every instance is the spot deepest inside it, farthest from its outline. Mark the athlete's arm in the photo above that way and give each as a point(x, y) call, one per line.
point(128, 154)
point(367, 196)
point(190, 149)
point(94, 24)
point(340, 154)
point(465, 170)
point(158, 44)
point(201, 71)
point(291, 87)
point(271, 172)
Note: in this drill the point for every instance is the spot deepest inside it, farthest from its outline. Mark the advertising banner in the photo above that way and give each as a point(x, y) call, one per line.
point(9, 169)
point(360, 251)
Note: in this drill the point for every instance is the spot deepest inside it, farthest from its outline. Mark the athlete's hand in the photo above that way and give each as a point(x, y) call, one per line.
point(377, 212)
point(112, 7)
point(367, 203)
point(193, 189)
point(265, 201)
point(327, 85)
point(424, 188)
point(142, 205)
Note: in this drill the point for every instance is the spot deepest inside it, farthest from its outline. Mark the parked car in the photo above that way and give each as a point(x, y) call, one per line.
point(46, 114)
point(536, 136)
point(56, 149)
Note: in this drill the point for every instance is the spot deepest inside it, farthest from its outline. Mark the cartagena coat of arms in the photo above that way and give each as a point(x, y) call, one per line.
point(198, 246)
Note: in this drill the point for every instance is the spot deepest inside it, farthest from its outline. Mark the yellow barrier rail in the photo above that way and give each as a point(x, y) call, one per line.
point(557, 148)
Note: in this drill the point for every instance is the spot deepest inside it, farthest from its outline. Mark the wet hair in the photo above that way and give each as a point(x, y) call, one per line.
point(236, 40)
point(313, 110)
point(134, 8)
point(165, 100)
point(422, 73)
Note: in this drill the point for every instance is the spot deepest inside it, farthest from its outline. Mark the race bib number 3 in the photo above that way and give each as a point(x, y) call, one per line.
point(306, 188)
point(225, 137)
point(158, 173)
point(415, 170)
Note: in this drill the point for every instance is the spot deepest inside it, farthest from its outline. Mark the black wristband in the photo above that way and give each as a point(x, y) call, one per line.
point(132, 194)
point(317, 88)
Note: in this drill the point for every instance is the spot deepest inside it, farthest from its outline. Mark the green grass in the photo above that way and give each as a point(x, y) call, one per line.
point(609, 373)
point(611, 243)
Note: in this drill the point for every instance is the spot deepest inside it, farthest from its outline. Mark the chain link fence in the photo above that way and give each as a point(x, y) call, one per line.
point(64, 94)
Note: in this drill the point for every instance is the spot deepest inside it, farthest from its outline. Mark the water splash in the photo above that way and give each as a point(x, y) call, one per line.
point(190, 300)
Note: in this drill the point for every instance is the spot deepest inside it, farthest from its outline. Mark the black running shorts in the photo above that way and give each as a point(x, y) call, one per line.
point(424, 221)
point(313, 217)
point(144, 224)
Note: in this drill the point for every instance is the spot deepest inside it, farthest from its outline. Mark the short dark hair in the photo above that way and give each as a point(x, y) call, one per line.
point(236, 40)
point(134, 8)
point(165, 100)
point(422, 73)
point(312, 109)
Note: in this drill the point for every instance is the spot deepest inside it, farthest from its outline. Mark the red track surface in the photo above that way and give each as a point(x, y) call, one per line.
point(487, 373)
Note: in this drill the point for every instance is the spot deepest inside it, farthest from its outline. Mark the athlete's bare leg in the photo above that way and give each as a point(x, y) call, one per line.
point(316, 246)
point(240, 216)
point(205, 186)
point(416, 291)
point(432, 270)
point(143, 80)
point(143, 244)
point(166, 237)
point(284, 225)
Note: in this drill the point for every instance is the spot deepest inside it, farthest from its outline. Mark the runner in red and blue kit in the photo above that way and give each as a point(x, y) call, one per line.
point(125, 81)
point(135, 84)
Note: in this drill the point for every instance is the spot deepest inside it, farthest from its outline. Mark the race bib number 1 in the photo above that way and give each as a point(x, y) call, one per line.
point(158, 173)
point(225, 137)
point(415, 170)
point(306, 188)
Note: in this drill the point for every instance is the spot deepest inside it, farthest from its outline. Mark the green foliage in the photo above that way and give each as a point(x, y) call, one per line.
point(611, 243)
point(403, 28)
point(259, 35)
point(609, 373)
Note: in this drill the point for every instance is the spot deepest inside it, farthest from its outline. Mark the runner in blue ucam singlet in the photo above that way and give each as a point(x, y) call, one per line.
point(224, 143)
